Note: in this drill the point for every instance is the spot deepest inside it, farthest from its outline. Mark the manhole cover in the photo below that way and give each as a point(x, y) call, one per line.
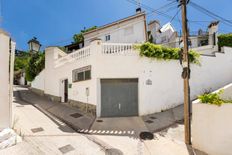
point(99, 121)
point(37, 130)
point(66, 149)
point(146, 135)
point(152, 117)
point(76, 115)
point(149, 121)
point(113, 152)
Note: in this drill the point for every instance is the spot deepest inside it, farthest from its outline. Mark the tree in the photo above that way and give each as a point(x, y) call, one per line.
point(21, 60)
point(35, 65)
point(79, 38)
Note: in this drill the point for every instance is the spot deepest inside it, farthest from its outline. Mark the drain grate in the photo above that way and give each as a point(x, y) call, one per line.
point(146, 135)
point(76, 115)
point(152, 117)
point(35, 130)
point(99, 121)
point(66, 148)
point(149, 121)
point(113, 152)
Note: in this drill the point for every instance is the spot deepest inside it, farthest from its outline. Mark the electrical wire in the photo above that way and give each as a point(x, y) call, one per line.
point(210, 14)
point(151, 9)
point(174, 15)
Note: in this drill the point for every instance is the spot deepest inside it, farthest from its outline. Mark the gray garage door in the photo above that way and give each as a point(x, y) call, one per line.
point(119, 97)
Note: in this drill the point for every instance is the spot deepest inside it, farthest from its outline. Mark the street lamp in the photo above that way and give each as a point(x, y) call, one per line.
point(34, 45)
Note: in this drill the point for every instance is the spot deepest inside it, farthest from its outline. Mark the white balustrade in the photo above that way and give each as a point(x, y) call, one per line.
point(77, 55)
point(117, 49)
point(106, 49)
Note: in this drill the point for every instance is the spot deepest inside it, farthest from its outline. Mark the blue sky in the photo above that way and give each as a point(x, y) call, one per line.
point(54, 22)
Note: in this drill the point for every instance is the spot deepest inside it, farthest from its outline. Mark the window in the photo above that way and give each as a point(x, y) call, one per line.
point(128, 30)
point(163, 39)
point(107, 37)
point(204, 42)
point(81, 74)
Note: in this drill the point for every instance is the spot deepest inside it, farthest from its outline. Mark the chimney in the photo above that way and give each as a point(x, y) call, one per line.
point(212, 30)
point(138, 10)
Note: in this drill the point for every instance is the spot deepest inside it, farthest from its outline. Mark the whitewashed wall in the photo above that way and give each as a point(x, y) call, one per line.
point(166, 90)
point(38, 82)
point(53, 76)
point(5, 87)
point(211, 127)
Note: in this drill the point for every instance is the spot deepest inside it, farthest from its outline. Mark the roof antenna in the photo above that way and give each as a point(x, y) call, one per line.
point(138, 10)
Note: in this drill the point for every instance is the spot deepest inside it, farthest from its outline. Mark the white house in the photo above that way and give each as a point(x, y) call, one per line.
point(161, 35)
point(112, 79)
point(205, 42)
point(7, 48)
point(128, 30)
point(109, 78)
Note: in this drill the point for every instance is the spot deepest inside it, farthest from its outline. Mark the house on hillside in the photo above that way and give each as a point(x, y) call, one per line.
point(109, 78)
point(203, 41)
point(128, 30)
point(160, 35)
point(132, 29)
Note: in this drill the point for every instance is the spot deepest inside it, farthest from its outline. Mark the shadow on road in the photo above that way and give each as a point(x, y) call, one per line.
point(19, 100)
point(82, 123)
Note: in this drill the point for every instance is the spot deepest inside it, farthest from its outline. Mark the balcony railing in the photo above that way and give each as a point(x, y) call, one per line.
point(106, 49)
point(117, 49)
point(79, 54)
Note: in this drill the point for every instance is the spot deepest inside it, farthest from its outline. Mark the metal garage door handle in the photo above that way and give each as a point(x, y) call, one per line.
point(119, 106)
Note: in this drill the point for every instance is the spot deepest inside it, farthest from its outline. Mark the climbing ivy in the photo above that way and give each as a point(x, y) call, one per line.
point(159, 52)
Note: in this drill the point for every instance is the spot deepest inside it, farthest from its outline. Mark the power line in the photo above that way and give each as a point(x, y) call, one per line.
point(151, 9)
point(211, 14)
point(175, 15)
point(168, 8)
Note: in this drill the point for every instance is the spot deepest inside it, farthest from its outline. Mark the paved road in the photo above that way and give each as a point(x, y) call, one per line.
point(45, 134)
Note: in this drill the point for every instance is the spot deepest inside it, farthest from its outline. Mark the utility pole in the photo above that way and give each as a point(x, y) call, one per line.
point(186, 73)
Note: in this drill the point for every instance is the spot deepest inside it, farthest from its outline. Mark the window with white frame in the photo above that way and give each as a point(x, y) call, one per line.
point(81, 74)
point(107, 37)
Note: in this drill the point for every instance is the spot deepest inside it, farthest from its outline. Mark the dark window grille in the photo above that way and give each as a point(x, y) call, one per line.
point(81, 74)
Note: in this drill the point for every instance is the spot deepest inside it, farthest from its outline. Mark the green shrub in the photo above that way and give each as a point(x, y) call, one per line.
point(78, 38)
point(161, 52)
point(35, 65)
point(21, 61)
point(213, 98)
point(225, 40)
